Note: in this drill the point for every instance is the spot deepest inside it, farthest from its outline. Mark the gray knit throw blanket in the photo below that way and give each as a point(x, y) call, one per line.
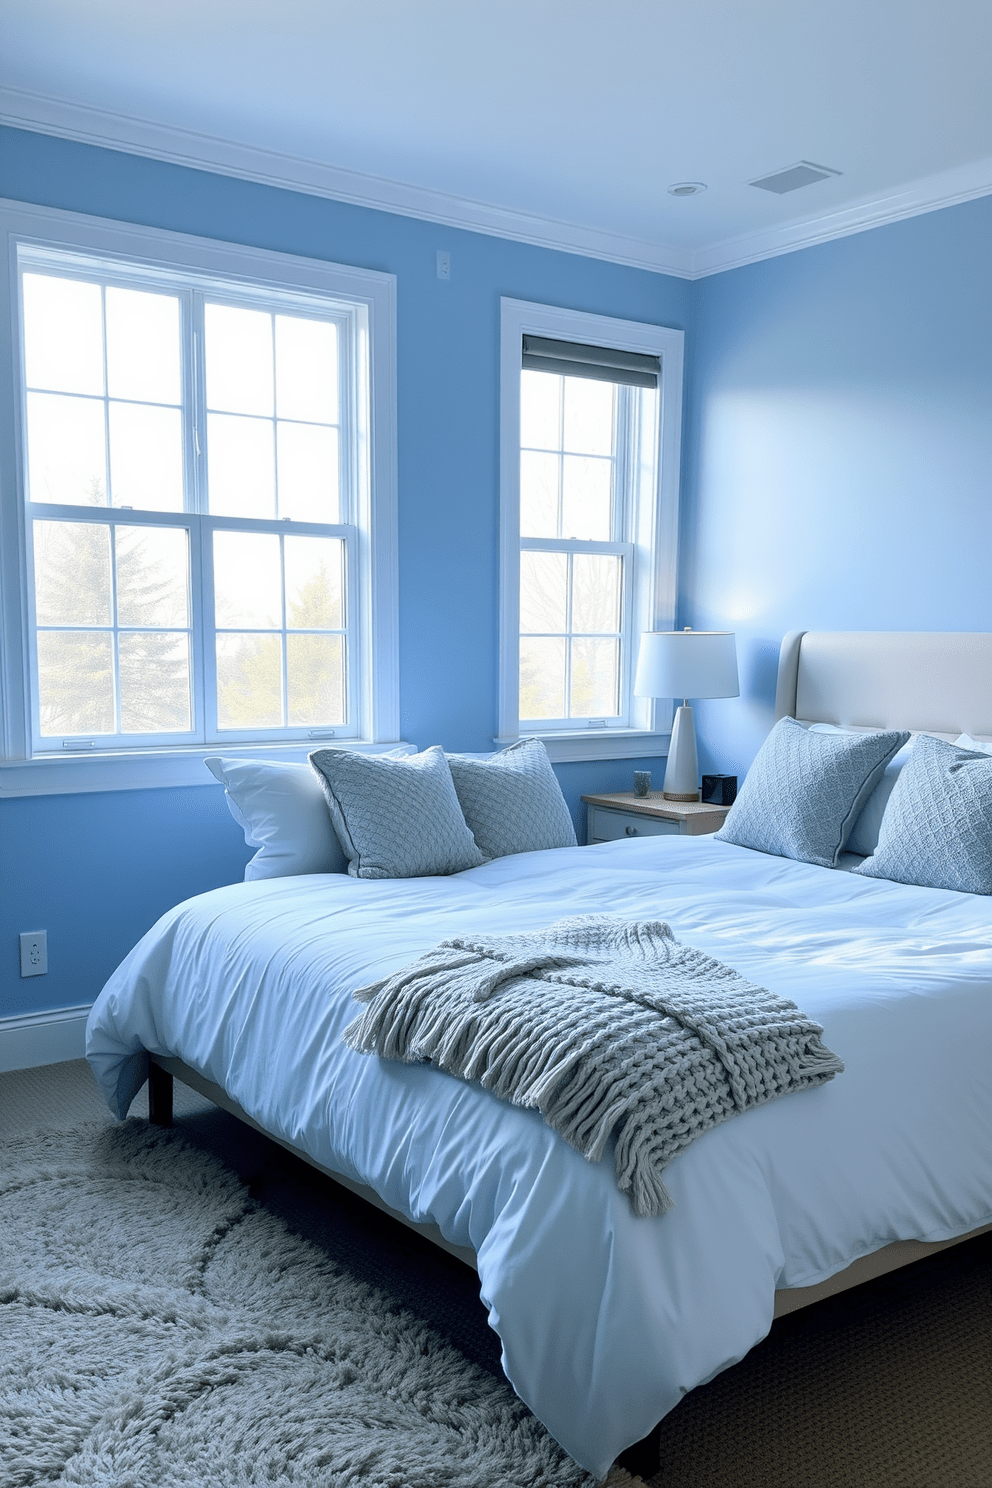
point(609, 1028)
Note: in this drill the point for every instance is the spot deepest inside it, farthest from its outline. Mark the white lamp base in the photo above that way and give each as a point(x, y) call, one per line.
point(682, 772)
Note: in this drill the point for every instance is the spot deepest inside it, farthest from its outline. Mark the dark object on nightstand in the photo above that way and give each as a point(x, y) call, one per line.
point(720, 790)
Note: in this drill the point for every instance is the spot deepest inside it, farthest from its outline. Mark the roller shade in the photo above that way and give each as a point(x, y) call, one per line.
point(601, 363)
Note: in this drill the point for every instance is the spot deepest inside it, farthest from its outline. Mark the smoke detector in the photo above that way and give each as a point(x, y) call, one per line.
point(686, 188)
point(804, 173)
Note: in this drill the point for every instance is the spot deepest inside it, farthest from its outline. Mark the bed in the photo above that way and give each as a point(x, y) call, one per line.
point(607, 1320)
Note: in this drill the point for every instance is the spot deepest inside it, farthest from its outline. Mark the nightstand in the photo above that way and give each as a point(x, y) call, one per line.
point(623, 814)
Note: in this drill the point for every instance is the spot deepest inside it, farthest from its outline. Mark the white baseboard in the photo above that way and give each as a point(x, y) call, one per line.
point(43, 1038)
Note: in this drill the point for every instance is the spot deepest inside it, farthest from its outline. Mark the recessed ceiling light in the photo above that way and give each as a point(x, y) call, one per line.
point(686, 188)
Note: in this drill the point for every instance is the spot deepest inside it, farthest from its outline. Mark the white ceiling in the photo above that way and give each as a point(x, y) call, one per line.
point(556, 121)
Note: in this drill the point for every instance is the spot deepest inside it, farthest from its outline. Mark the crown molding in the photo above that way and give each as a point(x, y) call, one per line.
point(114, 131)
point(963, 183)
point(96, 126)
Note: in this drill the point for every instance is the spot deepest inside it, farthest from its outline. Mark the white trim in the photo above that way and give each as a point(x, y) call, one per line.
point(655, 609)
point(153, 769)
point(373, 295)
point(31, 1039)
point(114, 131)
point(947, 189)
point(603, 744)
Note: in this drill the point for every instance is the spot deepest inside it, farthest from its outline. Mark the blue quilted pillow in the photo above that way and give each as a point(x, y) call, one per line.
point(395, 818)
point(804, 792)
point(512, 801)
point(937, 827)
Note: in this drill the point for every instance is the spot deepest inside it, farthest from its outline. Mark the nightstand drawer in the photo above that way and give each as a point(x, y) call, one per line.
point(607, 826)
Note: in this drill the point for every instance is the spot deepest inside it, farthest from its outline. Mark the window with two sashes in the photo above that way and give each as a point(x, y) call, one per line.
point(589, 476)
point(197, 482)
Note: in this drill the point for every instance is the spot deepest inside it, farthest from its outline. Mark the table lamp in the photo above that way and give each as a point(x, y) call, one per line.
point(684, 664)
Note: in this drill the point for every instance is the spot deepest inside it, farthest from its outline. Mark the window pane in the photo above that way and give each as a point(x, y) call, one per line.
point(585, 506)
point(239, 359)
point(240, 466)
point(538, 495)
point(247, 580)
point(76, 681)
point(595, 592)
point(249, 681)
point(308, 472)
point(306, 369)
point(315, 679)
point(314, 573)
point(67, 459)
point(542, 677)
point(595, 678)
point(589, 416)
point(543, 591)
point(152, 576)
point(72, 573)
point(540, 410)
point(154, 682)
point(63, 334)
point(146, 457)
point(143, 346)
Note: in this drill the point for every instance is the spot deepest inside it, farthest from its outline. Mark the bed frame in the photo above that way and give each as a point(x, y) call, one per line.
point(926, 681)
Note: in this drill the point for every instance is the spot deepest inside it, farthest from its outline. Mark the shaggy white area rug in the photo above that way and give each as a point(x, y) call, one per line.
point(158, 1328)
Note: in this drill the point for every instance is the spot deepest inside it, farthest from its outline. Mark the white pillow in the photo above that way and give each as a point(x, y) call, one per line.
point(282, 811)
point(864, 833)
point(980, 746)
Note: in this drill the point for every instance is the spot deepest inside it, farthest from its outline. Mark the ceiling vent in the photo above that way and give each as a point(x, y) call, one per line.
point(794, 176)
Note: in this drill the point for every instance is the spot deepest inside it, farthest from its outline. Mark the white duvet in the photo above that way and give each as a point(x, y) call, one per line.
point(605, 1320)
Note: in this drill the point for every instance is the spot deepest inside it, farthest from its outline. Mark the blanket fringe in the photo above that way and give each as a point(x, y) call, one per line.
point(609, 1029)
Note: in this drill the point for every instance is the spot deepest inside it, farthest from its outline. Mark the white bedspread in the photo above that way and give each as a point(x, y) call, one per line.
point(606, 1320)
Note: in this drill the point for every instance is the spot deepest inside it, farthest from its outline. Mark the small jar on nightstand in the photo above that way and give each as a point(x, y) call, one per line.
point(622, 814)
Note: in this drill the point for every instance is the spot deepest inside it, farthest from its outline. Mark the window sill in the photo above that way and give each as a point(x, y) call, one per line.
point(598, 744)
point(153, 769)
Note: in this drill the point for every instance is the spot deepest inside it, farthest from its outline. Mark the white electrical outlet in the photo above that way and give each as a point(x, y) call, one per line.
point(443, 265)
point(34, 952)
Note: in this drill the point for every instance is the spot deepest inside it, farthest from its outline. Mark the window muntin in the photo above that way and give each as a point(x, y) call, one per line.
point(102, 374)
point(131, 395)
point(112, 609)
point(281, 637)
point(273, 423)
point(567, 456)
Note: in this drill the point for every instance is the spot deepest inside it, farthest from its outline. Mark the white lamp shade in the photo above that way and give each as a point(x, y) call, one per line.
point(687, 664)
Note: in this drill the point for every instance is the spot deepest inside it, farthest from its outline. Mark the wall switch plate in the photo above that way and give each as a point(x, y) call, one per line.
point(443, 265)
point(34, 952)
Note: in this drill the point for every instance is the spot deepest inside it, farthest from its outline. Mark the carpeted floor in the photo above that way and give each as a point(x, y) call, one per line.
point(889, 1386)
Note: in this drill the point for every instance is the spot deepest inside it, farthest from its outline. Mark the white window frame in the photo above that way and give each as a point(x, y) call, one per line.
point(650, 603)
point(371, 300)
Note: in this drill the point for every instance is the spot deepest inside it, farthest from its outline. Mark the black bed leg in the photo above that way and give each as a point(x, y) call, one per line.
point(159, 1095)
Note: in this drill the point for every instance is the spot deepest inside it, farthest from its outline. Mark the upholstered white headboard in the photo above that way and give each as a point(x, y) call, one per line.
point(937, 682)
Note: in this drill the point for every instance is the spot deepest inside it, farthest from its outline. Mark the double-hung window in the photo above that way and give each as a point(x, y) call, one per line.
point(590, 430)
point(197, 483)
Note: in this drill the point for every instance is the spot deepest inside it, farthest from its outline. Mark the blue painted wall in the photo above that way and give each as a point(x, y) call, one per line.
point(838, 474)
point(97, 870)
point(839, 459)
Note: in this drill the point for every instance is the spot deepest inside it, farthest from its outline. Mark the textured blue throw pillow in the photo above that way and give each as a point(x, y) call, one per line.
point(937, 827)
point(512, 801)
point(395, 818)
point(803, 794)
